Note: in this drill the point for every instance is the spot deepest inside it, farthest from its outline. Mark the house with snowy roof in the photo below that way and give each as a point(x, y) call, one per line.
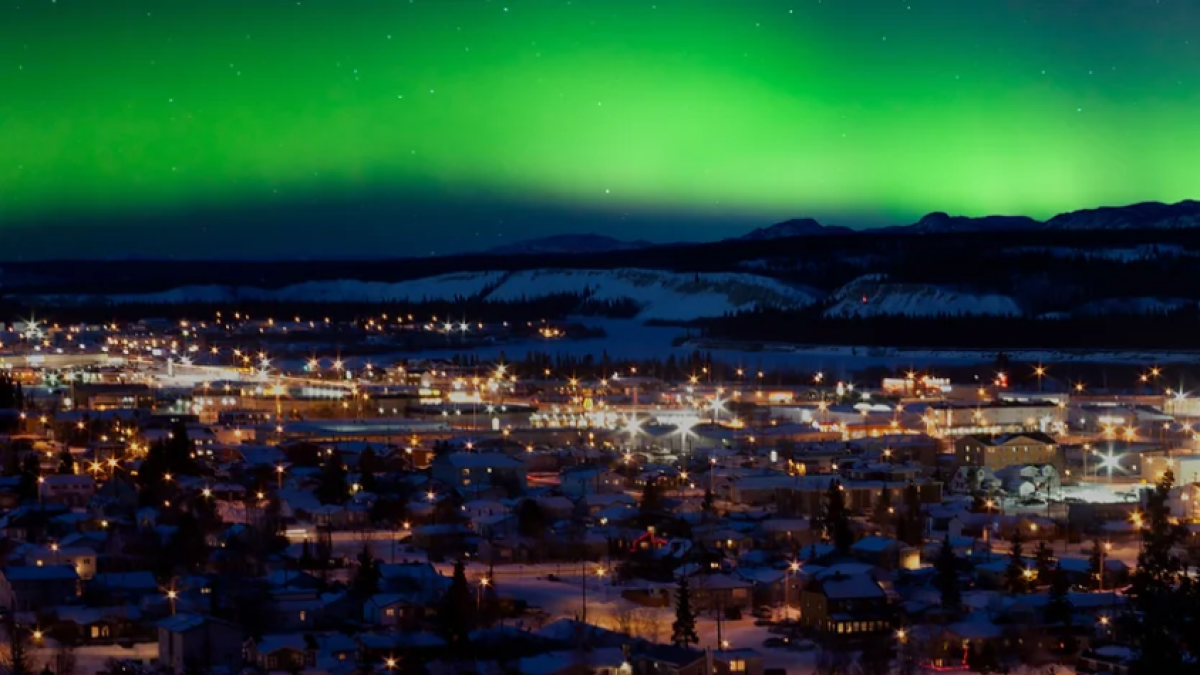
point(881, 551)
point(68, 489)
point(669, 660)
point(31, 587)
point(846, 606)
point(602, 661)
point(479, 469)
point(188, 640)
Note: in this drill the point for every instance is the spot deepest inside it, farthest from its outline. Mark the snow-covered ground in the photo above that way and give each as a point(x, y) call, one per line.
point(661, 294)
point(90, 659)
point(873, 295)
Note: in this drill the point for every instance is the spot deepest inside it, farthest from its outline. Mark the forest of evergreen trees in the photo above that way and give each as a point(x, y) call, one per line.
point(1164, 330)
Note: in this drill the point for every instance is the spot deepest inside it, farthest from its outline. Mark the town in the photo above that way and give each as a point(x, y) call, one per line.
point(261, 495)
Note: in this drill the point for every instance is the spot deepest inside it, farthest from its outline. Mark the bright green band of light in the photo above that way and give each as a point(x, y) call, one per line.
point(790, 108)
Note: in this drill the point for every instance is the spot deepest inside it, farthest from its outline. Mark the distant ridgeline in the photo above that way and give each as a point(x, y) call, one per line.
point(1006, 288)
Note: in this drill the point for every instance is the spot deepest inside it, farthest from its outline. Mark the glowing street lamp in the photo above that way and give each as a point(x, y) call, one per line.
point(1110, 462)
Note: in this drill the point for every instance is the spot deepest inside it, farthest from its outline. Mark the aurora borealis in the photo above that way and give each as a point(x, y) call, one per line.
point(408, 126)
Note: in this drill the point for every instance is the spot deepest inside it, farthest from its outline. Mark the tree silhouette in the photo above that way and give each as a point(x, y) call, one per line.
point(66, 463)
point(1163, 595)
point(1096, 566)
point(946, 577)
point(882, 512)
point(15, 655)
point(835, 521)
point(366, 577)
point(1043, 562)
point(456, 616)
point(333, 488)
point(1015, 580)
point(651, 506)
point(531, 520)
point(683, 630)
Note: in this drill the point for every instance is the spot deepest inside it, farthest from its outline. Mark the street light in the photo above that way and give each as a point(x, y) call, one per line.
point(483, 583)
point(792, 568)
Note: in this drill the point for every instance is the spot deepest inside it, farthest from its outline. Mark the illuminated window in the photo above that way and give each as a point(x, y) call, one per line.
point(303, 615)
point(737, 666)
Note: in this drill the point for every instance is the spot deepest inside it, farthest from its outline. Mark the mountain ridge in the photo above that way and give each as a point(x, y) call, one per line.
point(1141, 215)
point(589, 242)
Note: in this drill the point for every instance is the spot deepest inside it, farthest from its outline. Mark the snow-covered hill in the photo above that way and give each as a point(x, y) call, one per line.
point(661, 295)
point(444, 287)
point(873, 295)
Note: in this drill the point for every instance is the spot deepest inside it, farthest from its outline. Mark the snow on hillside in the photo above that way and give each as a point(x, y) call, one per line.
point(444, 287)
point(661, 295)
point(872, 295)
point(1141, 305)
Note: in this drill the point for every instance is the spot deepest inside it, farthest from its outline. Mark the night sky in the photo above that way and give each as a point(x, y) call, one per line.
point(265, 128)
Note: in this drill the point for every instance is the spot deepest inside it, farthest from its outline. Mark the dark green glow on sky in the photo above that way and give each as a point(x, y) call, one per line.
point(745, 109)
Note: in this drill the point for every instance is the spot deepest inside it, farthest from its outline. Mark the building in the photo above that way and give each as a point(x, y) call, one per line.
point(1004, 417)
point(843, 606)
point(193, 640)
point(602, 661)
point(805, 496)
point(67, 489)
point(670, 660)
point(482, 470)
point(590, 480)
point(82, 558)
point(31, 588)
point(737, 662)
point(996, 452)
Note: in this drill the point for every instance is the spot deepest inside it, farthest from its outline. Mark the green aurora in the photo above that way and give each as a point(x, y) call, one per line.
point(740, 109)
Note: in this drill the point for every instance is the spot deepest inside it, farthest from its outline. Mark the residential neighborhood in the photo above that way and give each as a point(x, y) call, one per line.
point(566, 526)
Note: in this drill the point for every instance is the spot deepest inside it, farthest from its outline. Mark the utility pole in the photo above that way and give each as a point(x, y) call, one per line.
point(583, 586)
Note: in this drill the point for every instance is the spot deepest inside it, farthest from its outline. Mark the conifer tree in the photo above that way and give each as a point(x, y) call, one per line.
point(1096, 566)
point(366, 578)
point(1015, 580)
point(333, 488)
point(457, 611)
point(1043, 562)
point(836, 520)
point(683, 631)
point(946, 578)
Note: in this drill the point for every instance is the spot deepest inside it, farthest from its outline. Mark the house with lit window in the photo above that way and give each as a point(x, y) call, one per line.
point(294, 652)
point(83, 559)
point(996, 452)
point(399, 610)
point(66, 489)
point(737, 662)
point(470, 470)
point(669, 660)
point(845, 606)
